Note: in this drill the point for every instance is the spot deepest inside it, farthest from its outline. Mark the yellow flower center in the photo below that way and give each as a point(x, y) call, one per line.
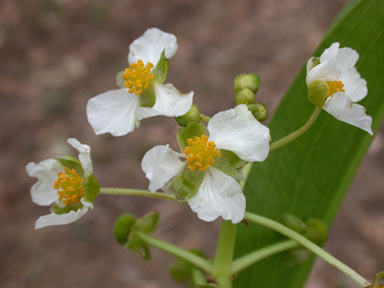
point(137, 77)
point(201, 153)
point(335, 86)
point(70, 186)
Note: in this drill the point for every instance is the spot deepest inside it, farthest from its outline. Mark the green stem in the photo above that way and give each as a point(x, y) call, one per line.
point(197, 261)
point(307, 244)
point(222, 267)
point(290, 137)
point(136, 192)
point(204, 118)
point(255, 256)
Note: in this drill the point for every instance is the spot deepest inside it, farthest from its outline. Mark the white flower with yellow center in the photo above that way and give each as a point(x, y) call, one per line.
point(208, 178)
point(66, 183)
point(335, 85)
point(142, 94)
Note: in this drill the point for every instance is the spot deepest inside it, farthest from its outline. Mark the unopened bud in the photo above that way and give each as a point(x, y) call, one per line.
point(246, 80)
point(245, 96)
point(318, 92)
point(192, 116)
point(259, 111)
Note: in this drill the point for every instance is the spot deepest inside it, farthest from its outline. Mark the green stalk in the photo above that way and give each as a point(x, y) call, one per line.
point(198, 278)
point(255, 256)
point(136, 192)
point(197, 261)
point(271, 224)
point(290, 137)
point(222, 267)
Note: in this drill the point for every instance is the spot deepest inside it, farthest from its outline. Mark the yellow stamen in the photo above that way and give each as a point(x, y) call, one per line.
point(200, 153)
point(70, 185)
point(137, 77)
point(334, 87)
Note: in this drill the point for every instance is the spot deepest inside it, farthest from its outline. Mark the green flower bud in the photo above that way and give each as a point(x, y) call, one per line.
point(245, 96)
point(316, 231)
point(148, 223)
point(318, 92)
point(259, 111)
point(122, 228)
point(246, 80)
point(192, 116)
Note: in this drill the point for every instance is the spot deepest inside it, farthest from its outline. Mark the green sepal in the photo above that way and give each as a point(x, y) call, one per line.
point(120, 79)
point(185, 185)
point(66, 209)
point(123, 227)
point(138, 246)
point(182, 270)
point(295, 223)
point(318, 93)
point(91, 188)
point(316, 231)
point(71, 162)
point(192, 130)
point(259, 111)
point(148, 97)
point(230, 164)
point(161, 69)
point(192, 116)
point(148, 223)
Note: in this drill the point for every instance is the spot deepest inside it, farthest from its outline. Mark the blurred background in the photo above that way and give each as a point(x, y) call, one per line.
point(56, 54)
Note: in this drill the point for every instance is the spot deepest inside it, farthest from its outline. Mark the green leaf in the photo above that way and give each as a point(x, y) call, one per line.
point(310, 176)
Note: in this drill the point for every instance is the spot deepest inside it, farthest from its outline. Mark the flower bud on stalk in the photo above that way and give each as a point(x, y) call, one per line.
point(259, 111)
point(246, 80)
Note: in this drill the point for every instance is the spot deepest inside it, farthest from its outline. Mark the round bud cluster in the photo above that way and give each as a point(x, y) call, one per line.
point(245, 87)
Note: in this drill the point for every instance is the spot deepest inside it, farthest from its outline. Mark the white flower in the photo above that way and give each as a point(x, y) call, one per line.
point(117, 111)
point(218, 194)
point(336, 68)
point(62, 186)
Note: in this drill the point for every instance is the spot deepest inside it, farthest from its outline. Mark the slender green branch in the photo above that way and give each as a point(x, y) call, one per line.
point(197, 261)
point(255, 256)
point(224, 254)
point(290, 137)
point(307, 244)
point(204, 118)
point(136, 192)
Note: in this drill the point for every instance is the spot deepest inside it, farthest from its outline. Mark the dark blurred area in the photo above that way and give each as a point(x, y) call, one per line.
point(56, 54)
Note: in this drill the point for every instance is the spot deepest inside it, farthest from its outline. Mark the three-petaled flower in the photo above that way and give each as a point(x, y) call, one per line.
point(335, 85)
point(66, 183)
point(211, 173)
point(142, 94)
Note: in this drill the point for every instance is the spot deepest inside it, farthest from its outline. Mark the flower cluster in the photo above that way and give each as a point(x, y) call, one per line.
point(207, 168)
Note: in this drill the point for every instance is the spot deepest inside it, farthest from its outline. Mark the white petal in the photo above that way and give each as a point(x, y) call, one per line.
point(62, 219)
point(355, 86)
point(326, 71)
point(169, 102)
point(342, 108)
point(160, 165)
point(345, 58)
point(149, 47)
point(84, 156)
point(218, 195)
point(330, 54)
point(238, 131)
point(46, 171)
point(113, 112)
